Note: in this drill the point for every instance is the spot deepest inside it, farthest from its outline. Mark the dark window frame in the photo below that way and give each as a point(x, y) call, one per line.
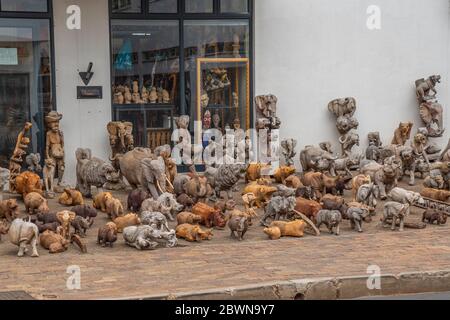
point(181, 17)
point(43, 16)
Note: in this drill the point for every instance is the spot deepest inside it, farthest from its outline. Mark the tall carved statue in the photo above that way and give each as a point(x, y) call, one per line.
point(344, 110)
point(54, 144)
point(16, 161)
point(430, 109)
point(266, 118)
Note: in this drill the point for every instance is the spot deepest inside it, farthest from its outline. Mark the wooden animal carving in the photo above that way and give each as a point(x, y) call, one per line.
point(65, 218)
point(402, 133)
point(28, 182)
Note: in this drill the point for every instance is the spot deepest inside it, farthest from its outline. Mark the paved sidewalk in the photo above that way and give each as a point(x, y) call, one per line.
point(125, 272)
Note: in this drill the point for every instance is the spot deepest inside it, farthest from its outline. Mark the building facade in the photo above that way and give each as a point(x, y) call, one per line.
point(173, 52)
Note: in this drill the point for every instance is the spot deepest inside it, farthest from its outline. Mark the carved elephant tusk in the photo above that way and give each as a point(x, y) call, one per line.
point(159, 187)
point(308, 222)
point(170, 184)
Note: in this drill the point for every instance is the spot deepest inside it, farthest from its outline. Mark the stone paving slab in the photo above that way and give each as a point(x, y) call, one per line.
point(223, 263)
point(130, 273)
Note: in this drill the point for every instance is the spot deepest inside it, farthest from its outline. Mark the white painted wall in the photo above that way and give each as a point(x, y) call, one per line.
point(84, 122)
point(309, 52)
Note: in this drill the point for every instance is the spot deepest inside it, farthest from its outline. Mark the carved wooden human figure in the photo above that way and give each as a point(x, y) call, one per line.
point(54, 145)
point(20, 150)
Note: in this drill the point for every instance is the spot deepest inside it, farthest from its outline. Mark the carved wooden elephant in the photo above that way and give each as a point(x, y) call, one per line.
point(395, 212)
point(130, 164)
point(316, 159)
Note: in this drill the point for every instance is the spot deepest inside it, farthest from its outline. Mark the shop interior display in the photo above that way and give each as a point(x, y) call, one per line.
point(223, 97)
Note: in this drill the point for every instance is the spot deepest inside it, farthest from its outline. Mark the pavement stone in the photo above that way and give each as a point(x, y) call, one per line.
point(123, 272)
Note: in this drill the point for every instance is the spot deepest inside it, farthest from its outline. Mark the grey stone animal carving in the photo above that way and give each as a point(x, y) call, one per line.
point(80, 225)
point(430, 110)
point(374, 138)
point(410, 162)
point(344, 165)
point(434, 180)
point(93, 172)
point(225, 178)
point(426, 88)
point(316, 159)
point(395, 212)
point(331, 218)
point(156, 219)
point(23, 234)
point(344, 111)
point(278, 208)
point(346, 124)
point(368, 194)
point(130, 164)
point(356, 217)
point(375, 149)
point(288, 151)
point(33, 161)
point(266, 112)
point(373, 152)
point(166, 204)
point(147, 237)
point(196, 187)
point(385, 176)
point(348, 141)
point(4, 179)
point(406, 197)
point(154, 177)
point(343, 107)
point(238, 227)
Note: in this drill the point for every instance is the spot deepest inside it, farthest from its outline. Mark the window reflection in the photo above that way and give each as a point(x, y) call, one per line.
point(223, 84)
point(199, 6)
point(24, 5)
point(234, 6)
point(126, 6)
point(162, 6)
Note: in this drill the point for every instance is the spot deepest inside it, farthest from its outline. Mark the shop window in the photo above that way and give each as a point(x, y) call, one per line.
point(25, 81)
point(126, 6)
point(199, 6)
point(162, 6)
point(161, 70)
point(217, 72)
point(145, 72)
point(24, 5)
point(234, 6)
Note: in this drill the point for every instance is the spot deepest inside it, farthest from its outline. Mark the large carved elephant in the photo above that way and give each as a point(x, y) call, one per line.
point(120, 137)
point(315, 159)
point(23, 233)
point(154, 177)
point(130, 164)
point(93, 172)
